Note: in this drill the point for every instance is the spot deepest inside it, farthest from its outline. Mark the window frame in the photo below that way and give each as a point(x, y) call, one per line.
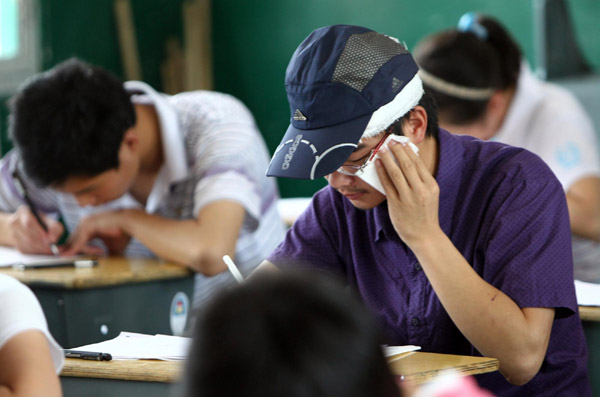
point(14, 71)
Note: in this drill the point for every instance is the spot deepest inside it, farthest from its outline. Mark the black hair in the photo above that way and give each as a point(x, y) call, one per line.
point(429, 103)
point(70, 121)
point(287, 334)
point(464, 59)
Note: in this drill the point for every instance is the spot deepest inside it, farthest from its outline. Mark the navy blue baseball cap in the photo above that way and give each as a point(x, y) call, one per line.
point(343, 82)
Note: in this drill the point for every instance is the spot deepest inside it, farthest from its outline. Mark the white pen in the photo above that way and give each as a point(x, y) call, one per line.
point(233, 269)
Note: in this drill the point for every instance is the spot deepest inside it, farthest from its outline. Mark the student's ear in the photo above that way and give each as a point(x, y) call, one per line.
point(131, 139)
point(415, 125)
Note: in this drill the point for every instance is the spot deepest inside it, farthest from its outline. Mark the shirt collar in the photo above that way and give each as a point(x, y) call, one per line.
point(174, 166)
point(449, 174)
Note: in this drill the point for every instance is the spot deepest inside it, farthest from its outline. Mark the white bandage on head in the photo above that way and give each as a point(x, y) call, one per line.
point(406, 99)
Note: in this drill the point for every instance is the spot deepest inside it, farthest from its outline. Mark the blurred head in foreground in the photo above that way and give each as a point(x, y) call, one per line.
point(288, 334)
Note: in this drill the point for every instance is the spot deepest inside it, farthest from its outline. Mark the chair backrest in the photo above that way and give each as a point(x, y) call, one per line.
point(557, 52)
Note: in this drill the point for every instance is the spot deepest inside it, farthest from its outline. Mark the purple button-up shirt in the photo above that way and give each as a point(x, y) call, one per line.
point(506, 213)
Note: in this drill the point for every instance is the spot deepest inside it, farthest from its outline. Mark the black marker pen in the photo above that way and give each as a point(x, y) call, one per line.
point(87, 355)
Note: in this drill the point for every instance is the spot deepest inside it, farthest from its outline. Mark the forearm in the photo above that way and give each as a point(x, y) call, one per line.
point(583, 201)
point(26, 367)
point(176, 240)
point(29, 391)
point(6, 392)
point(487, 317)
point(585, 221)
point(197, 243)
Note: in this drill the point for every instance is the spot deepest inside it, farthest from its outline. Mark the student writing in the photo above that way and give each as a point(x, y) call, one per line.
point(141, 173)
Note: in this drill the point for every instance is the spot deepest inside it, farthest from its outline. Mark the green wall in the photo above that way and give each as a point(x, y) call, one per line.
point(253, 41)
point(87, 30)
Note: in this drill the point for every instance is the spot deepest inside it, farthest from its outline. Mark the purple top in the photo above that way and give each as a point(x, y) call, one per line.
point(506, 213)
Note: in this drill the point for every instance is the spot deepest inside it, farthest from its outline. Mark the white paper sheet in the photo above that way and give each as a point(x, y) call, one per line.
point(393, 350)
point(588, 294)
point(291, 208)
point(10, 257)
point(134, 346)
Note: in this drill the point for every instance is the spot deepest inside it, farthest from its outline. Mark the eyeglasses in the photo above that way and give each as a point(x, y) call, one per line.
point(357, 170)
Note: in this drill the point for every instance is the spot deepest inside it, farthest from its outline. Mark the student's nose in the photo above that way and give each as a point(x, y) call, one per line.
point(338, 180)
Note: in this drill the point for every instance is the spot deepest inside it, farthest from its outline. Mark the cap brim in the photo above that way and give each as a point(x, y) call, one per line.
point(310, 154)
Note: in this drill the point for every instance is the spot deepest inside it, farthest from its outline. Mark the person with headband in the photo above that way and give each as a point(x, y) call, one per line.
point(467, 250)
point(485, 88)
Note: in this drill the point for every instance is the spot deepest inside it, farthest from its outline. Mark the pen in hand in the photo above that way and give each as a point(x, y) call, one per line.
point(97, 356)
point(21, 186)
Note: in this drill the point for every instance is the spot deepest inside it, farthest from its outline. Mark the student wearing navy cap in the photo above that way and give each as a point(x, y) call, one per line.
point(467, 252)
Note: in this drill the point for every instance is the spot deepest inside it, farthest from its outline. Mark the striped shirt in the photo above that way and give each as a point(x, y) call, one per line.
point(212, 151)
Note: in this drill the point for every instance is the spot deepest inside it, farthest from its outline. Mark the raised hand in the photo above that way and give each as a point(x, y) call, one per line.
point(412, 192)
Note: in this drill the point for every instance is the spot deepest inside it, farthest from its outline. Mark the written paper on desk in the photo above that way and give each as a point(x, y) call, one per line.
point(588, 294)
point(133, 346)
point(11, 256)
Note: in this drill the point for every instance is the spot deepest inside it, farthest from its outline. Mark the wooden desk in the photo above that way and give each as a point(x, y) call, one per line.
point(139, 378)
point(88, 305)
point(150, 378)
point(135, 370)
point(589, 313)
point(420, 367)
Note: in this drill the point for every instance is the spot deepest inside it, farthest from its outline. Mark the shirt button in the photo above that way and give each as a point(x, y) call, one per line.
point(417, 266)
point(415, 321)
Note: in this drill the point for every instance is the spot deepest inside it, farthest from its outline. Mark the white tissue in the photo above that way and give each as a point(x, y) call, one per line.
point(369, 173)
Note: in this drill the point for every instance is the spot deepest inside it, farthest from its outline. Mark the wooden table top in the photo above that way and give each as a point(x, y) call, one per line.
point(589, 313)
point(418, 367)
point(140, 370)
point(110, 271)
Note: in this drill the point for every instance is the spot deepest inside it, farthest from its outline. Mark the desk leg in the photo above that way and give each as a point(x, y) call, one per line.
point(592, 335)
point(82, 316)
point(53, 304)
